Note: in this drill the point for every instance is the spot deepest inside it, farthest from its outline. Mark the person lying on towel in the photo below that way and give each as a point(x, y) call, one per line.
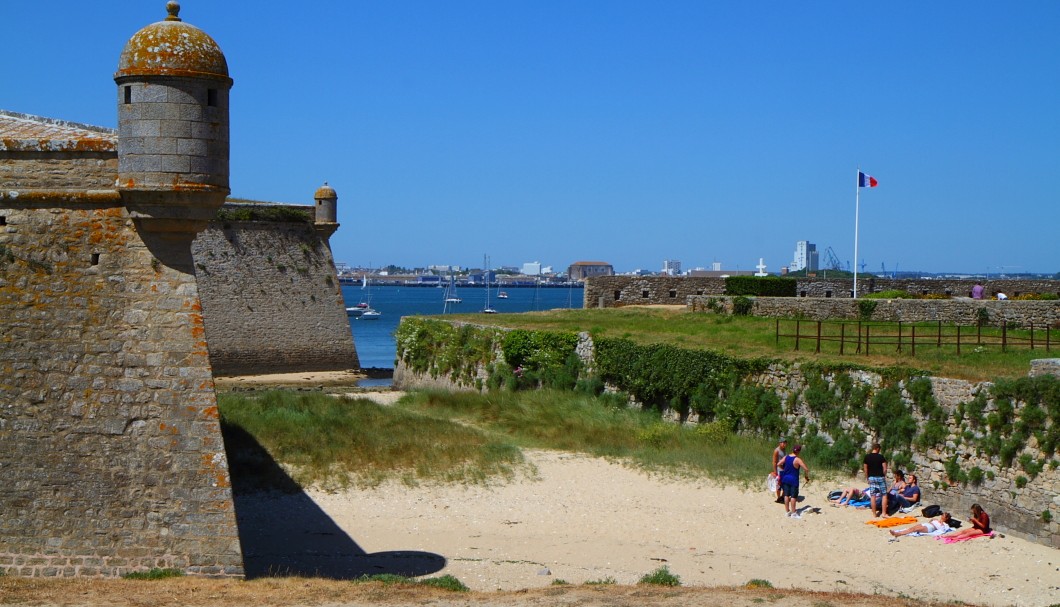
point(936, 526)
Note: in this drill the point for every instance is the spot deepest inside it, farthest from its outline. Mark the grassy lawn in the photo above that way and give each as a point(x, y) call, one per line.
point(752, 337)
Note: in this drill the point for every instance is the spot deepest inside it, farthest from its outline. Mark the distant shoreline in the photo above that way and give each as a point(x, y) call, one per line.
point(377, 282)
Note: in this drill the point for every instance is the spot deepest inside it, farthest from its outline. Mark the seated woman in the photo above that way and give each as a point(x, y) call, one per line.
point(938, 524)
point(980, 523)
point(850, 494)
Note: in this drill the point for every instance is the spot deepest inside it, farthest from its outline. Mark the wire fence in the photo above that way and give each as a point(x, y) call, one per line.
point(860, 337)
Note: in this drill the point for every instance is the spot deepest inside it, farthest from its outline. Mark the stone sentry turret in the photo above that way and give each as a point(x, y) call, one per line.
point(173, 87)
point(326, 215)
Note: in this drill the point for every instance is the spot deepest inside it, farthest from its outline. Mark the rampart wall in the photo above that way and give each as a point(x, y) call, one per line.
point(110, 446)
point(617, 291)
point(271, 299)
point(965, 312)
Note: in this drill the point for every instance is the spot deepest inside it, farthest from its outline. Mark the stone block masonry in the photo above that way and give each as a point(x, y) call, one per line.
point(617, 291)
point(110, 445)
point(964, 312)
point(271, 299)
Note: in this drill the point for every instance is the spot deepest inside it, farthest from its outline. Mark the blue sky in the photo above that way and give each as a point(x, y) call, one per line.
point(620, 131)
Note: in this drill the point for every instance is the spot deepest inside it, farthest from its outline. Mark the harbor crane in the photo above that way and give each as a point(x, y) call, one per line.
point(832, 259)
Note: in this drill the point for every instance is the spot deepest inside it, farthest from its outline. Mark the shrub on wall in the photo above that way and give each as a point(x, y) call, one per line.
point(764, 286)
point(742, 306)
point(865, 308)
point(440, 348)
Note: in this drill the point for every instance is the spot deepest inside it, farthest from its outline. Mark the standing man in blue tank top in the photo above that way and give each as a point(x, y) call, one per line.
point(789, 480)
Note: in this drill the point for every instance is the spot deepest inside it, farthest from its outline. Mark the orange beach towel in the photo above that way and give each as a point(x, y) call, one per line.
point(892, 522)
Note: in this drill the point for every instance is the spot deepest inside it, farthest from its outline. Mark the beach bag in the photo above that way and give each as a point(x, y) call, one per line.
point(834, 495)
point(931, 511)
point(956, 524)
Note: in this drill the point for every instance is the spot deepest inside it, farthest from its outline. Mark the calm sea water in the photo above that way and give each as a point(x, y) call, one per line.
point(375, 338)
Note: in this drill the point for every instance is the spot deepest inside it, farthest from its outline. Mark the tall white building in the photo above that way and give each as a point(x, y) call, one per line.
point(805, 257)
point(671, 267)
point(532, 268)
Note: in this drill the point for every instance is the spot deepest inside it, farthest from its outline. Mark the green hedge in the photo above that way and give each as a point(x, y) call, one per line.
point(764, 286)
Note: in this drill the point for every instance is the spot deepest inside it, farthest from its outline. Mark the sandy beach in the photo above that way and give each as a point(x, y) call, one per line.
point(585, 519)
point(581, 519)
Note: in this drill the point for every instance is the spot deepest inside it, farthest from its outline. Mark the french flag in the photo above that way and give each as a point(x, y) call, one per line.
point(866, 181)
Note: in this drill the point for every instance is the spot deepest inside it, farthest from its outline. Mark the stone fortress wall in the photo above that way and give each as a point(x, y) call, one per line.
point(617, 291)
point(114, 317)
point(271, 298)
point(964, 312)
point(110, 449)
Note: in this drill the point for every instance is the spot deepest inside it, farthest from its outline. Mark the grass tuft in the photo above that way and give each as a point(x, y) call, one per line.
point(758, 583)
point(445, 582)
point(153, 574)
point(661, 577)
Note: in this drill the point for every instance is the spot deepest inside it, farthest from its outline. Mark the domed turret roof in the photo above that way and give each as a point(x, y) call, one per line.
point(172, 48)
point(325, 192)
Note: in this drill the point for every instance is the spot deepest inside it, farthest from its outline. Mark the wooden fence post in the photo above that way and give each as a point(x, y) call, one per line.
point(1004, 334)
point(912, 343)
point(899, 336)
point(1032, 336)
point(867, 340)
point(958, 340)
point(818, 349)
point(798, 333)
point(843, 337)
point(939, 344)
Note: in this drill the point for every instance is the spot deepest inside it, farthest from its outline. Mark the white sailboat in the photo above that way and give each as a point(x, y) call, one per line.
point(450, 292)
point(364, 310)
point(486, 274)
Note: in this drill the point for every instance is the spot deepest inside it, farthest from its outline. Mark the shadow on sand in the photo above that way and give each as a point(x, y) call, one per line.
point(283, 532)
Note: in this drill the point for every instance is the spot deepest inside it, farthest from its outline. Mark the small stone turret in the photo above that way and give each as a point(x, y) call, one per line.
point(173, 124)
point(326, 215)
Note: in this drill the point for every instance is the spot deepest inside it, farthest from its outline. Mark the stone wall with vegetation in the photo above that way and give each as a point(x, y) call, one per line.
point(271, 298)
point(965, 312)
point(110, 446)
point(617, 291)
point(992, 443)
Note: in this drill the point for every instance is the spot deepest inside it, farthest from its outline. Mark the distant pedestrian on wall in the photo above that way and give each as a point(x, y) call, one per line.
point(875, 466)
point(977, 291)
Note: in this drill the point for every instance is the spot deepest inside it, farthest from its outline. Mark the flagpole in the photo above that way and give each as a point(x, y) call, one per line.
point(857, 208)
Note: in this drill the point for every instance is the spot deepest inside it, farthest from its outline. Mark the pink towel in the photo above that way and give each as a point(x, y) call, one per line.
point(952, 540)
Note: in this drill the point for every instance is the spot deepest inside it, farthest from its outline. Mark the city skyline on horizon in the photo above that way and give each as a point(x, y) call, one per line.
point(630, 131)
